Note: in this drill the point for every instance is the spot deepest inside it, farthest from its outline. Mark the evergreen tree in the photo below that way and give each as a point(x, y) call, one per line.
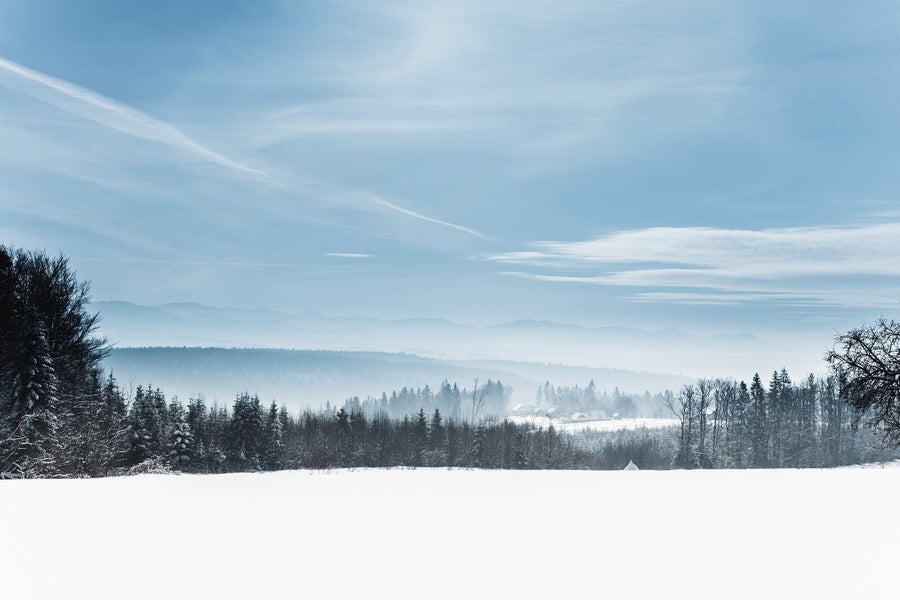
point(197, 419)
point(758, 423)
point(738, 422)
point(436, 429)
point(43, 293)
point(420, 437)
point(30, 420)
point(143, 432)
point(274, 453)
point(113, 398)
point(181, 446)
point(478, 447)
point(246, 433)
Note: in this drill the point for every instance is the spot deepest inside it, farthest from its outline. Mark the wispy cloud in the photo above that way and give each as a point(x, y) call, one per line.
point(120, 117)
point(108, 112)
point(348, 255)
point(800, 265)
point(377, 201)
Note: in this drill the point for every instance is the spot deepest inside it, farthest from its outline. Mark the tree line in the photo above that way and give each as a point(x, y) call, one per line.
point(488, 400)
point(726, 424)
point(59, 416)
point(250, 437)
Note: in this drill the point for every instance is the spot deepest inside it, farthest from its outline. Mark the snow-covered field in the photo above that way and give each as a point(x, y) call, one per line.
point(455, 534)
point(602, 425)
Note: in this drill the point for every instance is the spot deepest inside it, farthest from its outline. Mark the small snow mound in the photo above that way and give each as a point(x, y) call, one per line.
point(631, 466)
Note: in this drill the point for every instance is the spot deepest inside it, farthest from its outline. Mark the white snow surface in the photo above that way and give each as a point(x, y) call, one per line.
point(455, 534)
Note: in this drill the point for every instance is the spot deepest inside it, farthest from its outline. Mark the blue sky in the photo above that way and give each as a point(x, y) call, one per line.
point(716, 167)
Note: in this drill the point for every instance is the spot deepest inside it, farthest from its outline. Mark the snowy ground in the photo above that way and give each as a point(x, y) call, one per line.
point(603, 425)
point(455, 534)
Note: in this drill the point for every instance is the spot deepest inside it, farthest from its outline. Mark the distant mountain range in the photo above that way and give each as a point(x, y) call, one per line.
point(300, 378)
point(662, 351)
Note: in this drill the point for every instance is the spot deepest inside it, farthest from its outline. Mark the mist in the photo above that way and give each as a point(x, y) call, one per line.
point(644, 359)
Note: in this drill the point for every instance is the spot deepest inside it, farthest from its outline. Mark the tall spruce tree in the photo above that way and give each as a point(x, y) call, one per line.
point(273, 458)
point(30, 422)
point(759, 429)
point(246, 433)
point(143, 428)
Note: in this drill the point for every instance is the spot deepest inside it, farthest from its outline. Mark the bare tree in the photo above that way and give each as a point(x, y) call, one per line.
point(477, 401)
point(703, 404)
point(867, 359)
point(684, 407)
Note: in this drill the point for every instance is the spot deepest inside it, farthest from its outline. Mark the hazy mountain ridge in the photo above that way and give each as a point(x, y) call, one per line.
point(663, 351)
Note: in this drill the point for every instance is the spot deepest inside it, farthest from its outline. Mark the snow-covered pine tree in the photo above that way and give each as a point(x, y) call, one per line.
point(143, 432)
point(181, 446)
point(246, 433)
point(198, 420)
point(30, 421)
point(273, 458)
point(49, 358)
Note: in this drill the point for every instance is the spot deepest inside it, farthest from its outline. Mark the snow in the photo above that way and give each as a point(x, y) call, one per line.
point(599, 425)
point(455, 534)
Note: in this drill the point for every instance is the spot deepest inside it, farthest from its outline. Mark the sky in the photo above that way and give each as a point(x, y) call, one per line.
point(713, 167)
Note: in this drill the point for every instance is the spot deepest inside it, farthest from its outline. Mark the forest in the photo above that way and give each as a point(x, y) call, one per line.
point(251, 437)
point(727, 424)
point(61, 416)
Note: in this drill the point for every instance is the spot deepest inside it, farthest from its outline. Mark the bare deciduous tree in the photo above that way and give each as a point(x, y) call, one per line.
point(867, 359)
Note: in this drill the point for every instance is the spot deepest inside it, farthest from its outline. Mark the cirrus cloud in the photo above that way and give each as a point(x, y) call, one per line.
point(832, 266)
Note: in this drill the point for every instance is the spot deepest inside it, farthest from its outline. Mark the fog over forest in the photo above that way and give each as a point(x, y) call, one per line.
point(310, 379)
